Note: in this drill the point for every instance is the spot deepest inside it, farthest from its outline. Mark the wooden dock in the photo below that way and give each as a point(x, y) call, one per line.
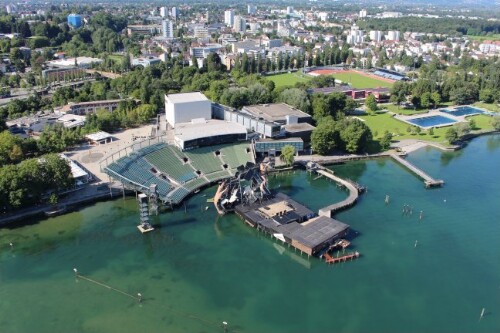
point(348, 202)
point(428, 180)
point(333, 260)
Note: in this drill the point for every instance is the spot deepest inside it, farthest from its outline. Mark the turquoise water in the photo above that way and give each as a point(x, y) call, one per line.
point(197, 270)
point(432, 121)
point(463, 111)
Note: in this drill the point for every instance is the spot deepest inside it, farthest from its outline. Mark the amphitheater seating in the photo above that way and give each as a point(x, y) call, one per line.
point(236, 155)
point(167, 161)
point(177, 195)
point(218, 175)
point(137, 170)
point(204, 159)
point(195, 183)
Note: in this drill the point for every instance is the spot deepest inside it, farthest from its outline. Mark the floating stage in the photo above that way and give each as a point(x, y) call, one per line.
point(292, 223)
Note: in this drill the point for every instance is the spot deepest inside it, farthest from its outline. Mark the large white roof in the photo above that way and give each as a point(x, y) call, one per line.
point(187, 97)
point(206, 128)
point(98, 136)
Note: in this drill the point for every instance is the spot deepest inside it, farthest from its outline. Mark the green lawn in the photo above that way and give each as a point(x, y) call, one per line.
point(116, 58)
point(381, 122)
point(360, 81)
point(408, 112)
point(490, 107)
point(482, 38)
point(288, 79)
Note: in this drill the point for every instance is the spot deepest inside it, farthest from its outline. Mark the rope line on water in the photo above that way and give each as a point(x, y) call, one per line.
point(140, 299)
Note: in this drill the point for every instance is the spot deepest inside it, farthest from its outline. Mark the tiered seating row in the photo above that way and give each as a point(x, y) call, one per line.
point(166, 161)
point(204, 159)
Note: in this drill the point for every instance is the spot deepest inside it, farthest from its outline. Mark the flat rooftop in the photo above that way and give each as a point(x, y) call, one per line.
point(274, 112)
point(186, 97)
point(300, 127)
point(202, 128)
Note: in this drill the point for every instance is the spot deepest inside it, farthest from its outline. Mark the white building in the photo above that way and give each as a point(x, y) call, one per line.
point(289, 10)
point(167, 27)
point(184, 107)
point(362, 13)
point(393, 35)
point(355, 36)
point(201, 32)
point(229, 17)
point(251, 9)
point(240, 24)
point(163, 11)
point(323, 16)
point(173, 13)
point(376, 36)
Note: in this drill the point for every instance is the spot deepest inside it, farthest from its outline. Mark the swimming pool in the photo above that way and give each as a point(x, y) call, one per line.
point(432, 121)
point(463, 111)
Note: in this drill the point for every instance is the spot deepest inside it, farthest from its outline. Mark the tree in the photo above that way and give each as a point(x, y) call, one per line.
point(425, 99)
point(431, 131)
point(287, 155)
point(486, 95)
point(436, 99)
point(354, 134)
point(385, 142)
point(451, 135)
point(350, 105)
point(295, 97)
point(495, 122)
point(371, 103)
point(324, 137)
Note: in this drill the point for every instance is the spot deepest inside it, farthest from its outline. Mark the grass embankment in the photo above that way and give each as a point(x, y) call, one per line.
point(116, 58)
point(381, 122)
point(483, 38)
point(360, 81)
point(287, 79)
point(487, 106)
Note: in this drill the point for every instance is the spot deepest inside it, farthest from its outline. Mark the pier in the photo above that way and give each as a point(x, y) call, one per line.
point(348, 202)
point(428, 180)
point(333, 260)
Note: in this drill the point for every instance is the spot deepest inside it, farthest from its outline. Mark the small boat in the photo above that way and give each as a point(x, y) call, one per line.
point(56, 211)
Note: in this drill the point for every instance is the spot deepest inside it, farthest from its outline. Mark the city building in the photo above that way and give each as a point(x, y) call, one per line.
point(142, 29)
point(75, 20)
point(376, 36)
point(251, 9)
point(240, 24)
point(207, 132)
point(204, 50)
point(289, 10)
point(167, 29)
point(355, 35)
point(201, 32)
point(393, 35)
point(229, 17)
point(80, 62)
point(184, 107)
point(173, 13)
point(83, 108)
point(362, 13)
point(145, 61)
point(163, 11)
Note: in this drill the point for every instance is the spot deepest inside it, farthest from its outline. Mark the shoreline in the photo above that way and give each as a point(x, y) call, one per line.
point(114, 192)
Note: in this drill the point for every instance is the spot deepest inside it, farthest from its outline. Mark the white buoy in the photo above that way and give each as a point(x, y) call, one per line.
point(416, 242)
point(224, 324)
point(140, 297)
point(11, 245)
point(482, 313)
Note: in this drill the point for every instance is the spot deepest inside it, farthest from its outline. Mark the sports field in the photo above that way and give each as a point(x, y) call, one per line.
point(356, 79)
point(288, 79)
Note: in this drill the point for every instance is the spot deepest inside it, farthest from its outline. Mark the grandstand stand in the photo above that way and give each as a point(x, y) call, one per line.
point(168, 162)
point(236, 155)
point(204, 159)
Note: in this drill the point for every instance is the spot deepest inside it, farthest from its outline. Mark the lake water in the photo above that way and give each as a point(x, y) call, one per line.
point(197, 270)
